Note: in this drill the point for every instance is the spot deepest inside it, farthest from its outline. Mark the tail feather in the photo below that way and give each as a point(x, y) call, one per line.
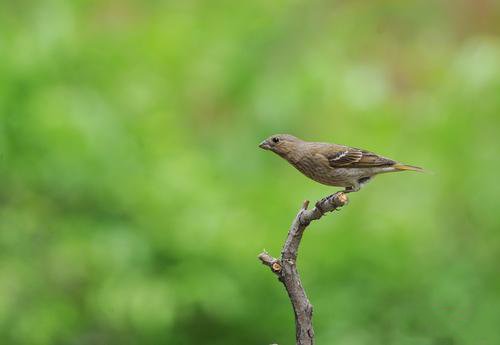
point(403, 167)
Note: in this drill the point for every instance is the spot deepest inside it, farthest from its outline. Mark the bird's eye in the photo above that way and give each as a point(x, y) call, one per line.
point(275, 140)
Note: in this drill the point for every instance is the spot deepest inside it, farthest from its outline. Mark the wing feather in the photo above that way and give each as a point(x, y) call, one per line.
point(345, 157)
point(350, 157)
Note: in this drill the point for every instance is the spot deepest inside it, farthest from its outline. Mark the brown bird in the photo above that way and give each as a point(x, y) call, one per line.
point(332, 164)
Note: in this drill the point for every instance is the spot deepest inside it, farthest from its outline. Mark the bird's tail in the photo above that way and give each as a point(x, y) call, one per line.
point(403, 167)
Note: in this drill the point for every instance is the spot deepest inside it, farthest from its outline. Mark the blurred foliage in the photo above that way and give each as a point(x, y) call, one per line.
point(134, 198)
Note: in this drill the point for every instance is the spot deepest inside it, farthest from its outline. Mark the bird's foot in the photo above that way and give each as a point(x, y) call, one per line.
point(331, 196)
point(351, 189)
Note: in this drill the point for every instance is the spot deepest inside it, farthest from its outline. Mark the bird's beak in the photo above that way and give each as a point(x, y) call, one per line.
point(264, 145)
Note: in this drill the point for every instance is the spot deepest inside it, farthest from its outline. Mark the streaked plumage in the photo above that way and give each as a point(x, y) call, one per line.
point(332, 164)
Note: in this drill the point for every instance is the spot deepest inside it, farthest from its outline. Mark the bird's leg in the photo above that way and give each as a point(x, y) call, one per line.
point(354, 188)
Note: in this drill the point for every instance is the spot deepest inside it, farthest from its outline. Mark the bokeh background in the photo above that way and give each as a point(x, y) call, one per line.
point(134, 199)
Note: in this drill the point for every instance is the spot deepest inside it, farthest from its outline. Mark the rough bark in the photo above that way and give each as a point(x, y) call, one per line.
point(286, 269)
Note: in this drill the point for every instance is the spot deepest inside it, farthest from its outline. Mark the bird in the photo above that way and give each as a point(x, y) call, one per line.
point(333, 164)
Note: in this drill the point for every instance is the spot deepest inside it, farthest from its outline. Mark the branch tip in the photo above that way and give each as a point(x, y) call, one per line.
point(267, 259)
point(343, 198)
point(305, 205)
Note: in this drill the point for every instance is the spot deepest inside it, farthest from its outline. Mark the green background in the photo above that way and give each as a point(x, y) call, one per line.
point(134, 199)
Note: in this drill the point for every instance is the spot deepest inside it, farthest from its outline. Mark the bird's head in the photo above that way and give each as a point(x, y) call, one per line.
point(282, 144)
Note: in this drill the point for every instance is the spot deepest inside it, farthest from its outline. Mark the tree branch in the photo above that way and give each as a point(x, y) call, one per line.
point(286, 270)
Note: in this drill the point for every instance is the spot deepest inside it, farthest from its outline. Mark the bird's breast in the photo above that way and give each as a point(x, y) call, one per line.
point(319, 170)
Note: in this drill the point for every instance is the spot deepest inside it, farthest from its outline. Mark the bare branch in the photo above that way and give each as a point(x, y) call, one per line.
point(285, 267)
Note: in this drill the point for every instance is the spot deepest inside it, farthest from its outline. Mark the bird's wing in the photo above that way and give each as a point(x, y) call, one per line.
point(350, 157)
